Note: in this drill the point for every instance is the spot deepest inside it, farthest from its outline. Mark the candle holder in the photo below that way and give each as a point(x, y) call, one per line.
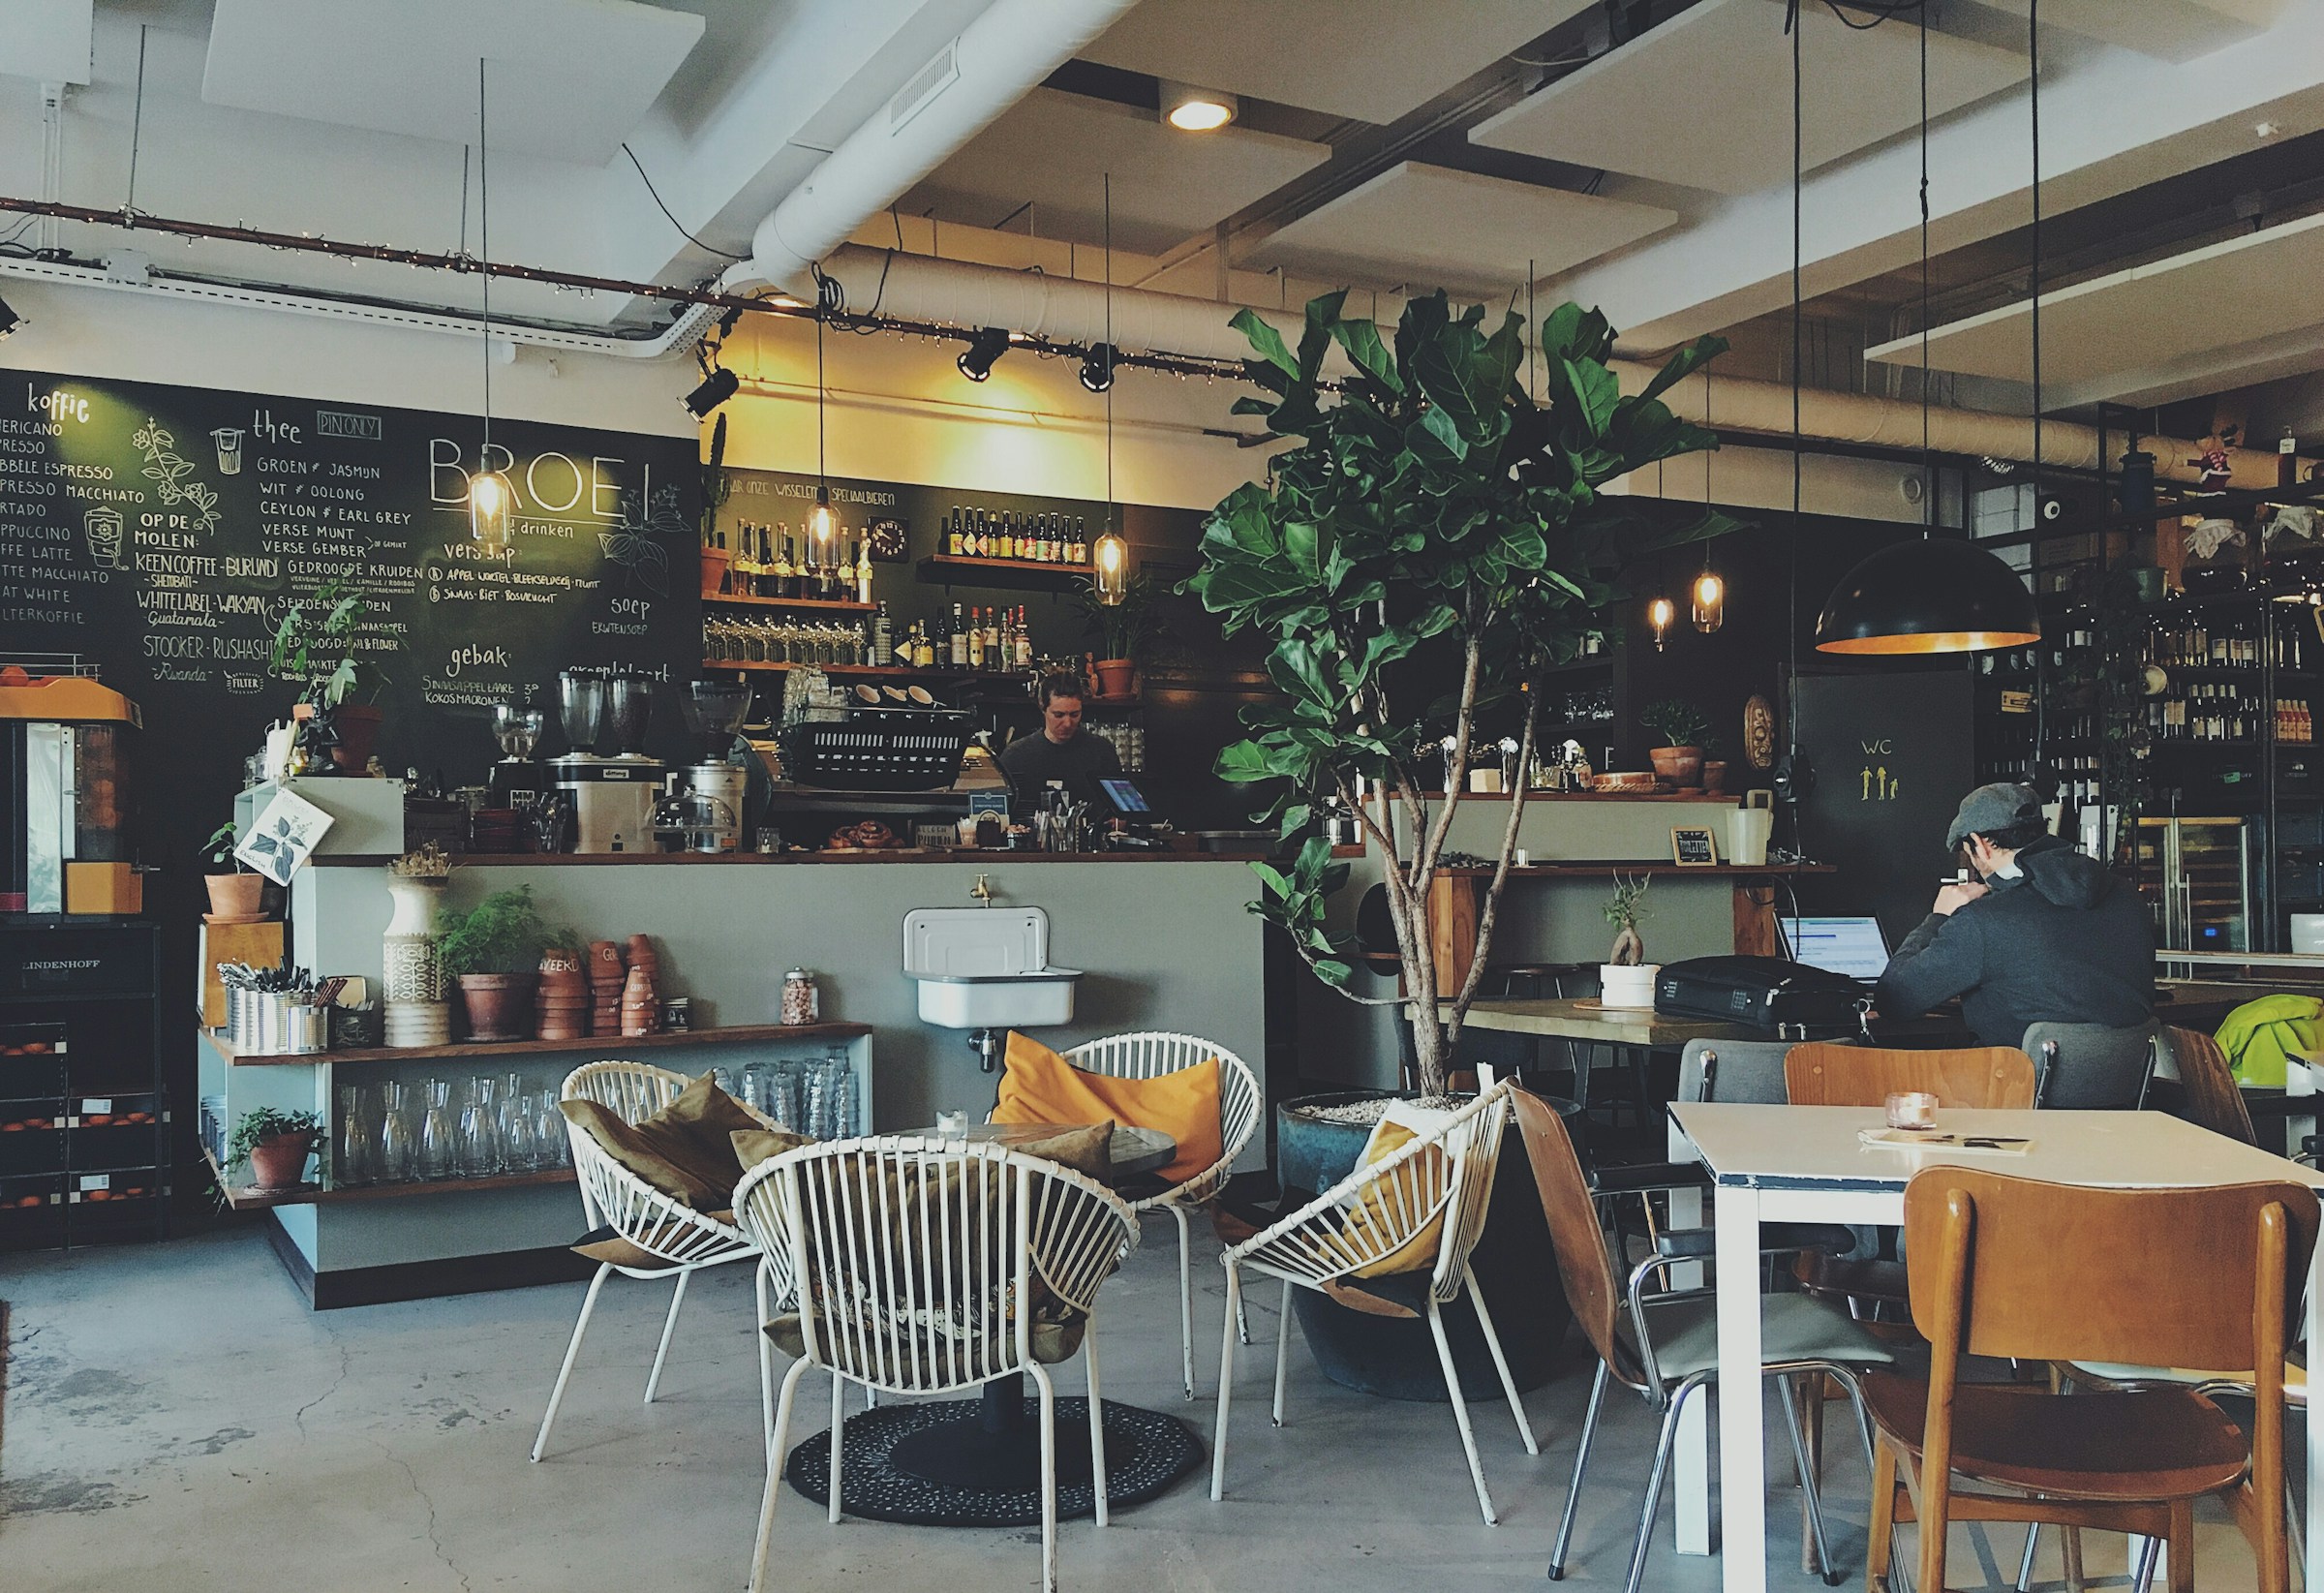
point(1913, 1111)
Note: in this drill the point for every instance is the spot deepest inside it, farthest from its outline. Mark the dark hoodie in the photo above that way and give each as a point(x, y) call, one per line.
point(2063, 942)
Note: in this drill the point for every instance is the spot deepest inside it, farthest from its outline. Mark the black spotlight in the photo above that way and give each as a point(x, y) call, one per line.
point(984, 352)
point(10, 321)
point(717, 388)
point(1097, 371)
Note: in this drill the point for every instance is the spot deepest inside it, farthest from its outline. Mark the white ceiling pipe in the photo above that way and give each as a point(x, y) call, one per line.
point(1003, 56)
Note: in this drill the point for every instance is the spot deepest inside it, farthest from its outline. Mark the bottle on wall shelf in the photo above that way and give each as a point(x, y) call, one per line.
point(862, 569)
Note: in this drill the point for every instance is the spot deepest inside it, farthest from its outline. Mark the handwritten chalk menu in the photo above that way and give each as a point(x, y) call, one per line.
point(164, 530)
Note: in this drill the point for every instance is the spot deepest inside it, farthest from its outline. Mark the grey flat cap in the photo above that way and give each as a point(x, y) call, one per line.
point(1992, 808)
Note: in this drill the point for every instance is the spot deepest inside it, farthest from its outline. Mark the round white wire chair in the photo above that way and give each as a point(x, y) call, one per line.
point(1443, 1177)
point(913, 1259)
point(1148, 1055)
point(680, 1240)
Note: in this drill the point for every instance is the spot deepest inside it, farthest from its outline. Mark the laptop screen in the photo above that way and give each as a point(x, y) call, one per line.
point(1853, 946)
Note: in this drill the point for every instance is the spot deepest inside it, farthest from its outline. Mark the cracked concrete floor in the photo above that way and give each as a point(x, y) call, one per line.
point(178, 1420)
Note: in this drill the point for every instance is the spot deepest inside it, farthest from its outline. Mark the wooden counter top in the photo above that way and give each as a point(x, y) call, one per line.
point(982, 857)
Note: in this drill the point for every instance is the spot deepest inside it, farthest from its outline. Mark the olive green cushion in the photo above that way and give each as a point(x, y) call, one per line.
point(685, 1150)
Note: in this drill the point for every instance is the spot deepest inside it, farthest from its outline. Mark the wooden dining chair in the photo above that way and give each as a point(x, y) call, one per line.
point(2012, 1268)
point(2214, 1099)
point(1820, 1073)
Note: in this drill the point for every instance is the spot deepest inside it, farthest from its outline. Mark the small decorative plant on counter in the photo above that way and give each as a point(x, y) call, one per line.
point(1122, 631)
point(1437, 542)
point(1685, 731)
point(1626, 978)
point(314, 644)
point(494, 949)
point(237, 896)
point(276, 1145)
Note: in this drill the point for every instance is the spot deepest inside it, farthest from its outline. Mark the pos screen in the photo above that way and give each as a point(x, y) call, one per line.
point(1127, 800)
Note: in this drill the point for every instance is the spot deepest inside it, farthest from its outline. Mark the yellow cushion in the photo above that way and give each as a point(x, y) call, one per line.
point(683, 1150)
point(755, 1145)
point(1376, 1213)
point(1039, 1087)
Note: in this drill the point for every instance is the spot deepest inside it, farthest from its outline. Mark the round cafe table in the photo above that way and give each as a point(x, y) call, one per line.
point(977, 1462)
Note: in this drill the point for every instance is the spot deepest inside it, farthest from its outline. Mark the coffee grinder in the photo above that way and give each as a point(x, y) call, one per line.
point(612, 797)
point(714, 711)
point(518, 730)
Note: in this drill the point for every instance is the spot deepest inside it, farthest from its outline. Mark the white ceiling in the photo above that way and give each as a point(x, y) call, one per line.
point(2153, 333)
point(1372, 60)
point(47, 40)
point(1431, 227)
point(1705, 100)
point(2171, 30)
point(1056, 150)
point(567, 79)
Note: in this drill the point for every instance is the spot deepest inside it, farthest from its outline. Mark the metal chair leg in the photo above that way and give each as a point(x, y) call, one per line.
point(1460, 1411)
point(765, 1356)
point(2025, 1564)
point(1807, 1483)
point(774, 1487)
point(669, 1326)
point(1652, 1505)
point(839, 1386)
point(2149, 1553)
point(1048, 1476)
point(565, 1371)
point(1185, 1299)
point(1226, 1384)
point(1581, 1467)
point(1283, 1350)
point(1493, 1342)
point(1097, 1421)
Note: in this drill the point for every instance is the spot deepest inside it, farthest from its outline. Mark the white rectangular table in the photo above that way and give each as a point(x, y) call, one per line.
point(1805, 1164)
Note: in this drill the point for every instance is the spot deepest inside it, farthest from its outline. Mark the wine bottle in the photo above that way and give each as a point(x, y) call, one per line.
point(1024, 641)
point(976, 641)
point(959, 640)
point(952, 534)
point(862, 569)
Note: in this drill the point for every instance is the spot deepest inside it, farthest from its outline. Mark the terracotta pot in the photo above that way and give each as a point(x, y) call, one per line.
point(358, 727)
point(499, 1005)
point(1115, 677)
point(714, 570)
point(1714, 777)
point(236, 896)
point(278, 1162)
point(1679, 765)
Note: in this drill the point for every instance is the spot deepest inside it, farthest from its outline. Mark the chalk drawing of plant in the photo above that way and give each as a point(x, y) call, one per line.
point(169, 474)
point(631, 545)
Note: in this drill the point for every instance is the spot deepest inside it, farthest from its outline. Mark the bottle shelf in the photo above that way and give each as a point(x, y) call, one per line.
point(954, 569)
point(736, 599)
point(886, 671)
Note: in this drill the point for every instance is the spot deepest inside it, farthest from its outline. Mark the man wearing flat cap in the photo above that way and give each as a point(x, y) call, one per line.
point(2047, 936)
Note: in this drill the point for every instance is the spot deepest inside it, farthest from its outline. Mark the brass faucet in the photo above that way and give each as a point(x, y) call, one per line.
point(982, 890)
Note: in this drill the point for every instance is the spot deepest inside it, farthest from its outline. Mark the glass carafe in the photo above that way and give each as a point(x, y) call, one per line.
point(358, 1161)
point(518, 1152)
point(399, 1152)
point(438, 1134)
point(550, 1144)
point(480, 1129)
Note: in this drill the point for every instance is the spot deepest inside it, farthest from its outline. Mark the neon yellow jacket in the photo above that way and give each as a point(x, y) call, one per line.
point(2257, 1035)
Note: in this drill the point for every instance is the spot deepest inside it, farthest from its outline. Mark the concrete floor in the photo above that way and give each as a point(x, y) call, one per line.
point(177, 1421)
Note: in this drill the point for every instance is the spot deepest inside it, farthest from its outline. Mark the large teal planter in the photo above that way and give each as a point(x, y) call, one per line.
point(1514, 1262)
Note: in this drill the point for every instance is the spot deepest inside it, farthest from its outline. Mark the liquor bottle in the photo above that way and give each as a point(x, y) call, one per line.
point(1024, 641)
point(862, 569)
point(924, 652)
point(988, 536)
point(1048, 539)
point(994, 658)
point(976, 641)
point(883, 636)
point(774, 571)
point(959, 640)
point(952, 534)
point(1079, 552)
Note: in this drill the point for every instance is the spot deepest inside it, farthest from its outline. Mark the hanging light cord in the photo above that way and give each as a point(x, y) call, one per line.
point(484, 242)
point(2033, 58)
point(821, 466)
point(1794, 26)
point(1928, 461)
point(1109, 182)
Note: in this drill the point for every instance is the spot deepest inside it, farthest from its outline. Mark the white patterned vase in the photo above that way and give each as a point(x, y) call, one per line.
point(413, 971)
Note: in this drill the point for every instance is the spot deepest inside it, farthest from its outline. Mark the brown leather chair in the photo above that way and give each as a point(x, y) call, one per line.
point(1666, 1346)
point(2214, 1099)
point(2017, 1269)
point(1822, 1074)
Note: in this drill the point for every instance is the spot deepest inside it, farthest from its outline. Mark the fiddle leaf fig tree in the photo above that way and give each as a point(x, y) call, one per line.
point(1434, 507)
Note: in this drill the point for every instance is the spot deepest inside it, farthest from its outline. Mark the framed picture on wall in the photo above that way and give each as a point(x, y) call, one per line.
point(1693, 849)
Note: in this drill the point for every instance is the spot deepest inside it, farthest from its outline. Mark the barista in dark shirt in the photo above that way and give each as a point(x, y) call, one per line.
point(1064, 751)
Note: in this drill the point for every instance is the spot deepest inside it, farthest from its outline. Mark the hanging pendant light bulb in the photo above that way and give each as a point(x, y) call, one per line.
point(822, 525)
point(1111, 560)
point(1110, 555)
point(1658, 614)
point(1708, 607)
point(491, 496)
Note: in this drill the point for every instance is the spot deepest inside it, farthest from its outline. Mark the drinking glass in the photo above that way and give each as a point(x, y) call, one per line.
point(398, 1154)
point(754, 1087)
point(438, 1134)
point(549, 1140)
point(358, 1161)
point(783, 1097)
point(840, 1095)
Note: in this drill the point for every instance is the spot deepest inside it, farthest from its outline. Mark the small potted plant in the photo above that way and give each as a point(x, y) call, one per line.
point(1625, 979)
point(1714, 768)
point(1122, 631)
point(494, 949)
point(314, 644)
point(237, 896)
point(1683, 729)
point(276, 1145)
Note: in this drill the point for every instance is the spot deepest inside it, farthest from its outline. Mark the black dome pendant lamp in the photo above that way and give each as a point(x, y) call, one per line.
point(1938, 595)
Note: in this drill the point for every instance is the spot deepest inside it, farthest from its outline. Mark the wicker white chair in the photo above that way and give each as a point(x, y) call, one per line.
point(683, 1240)
point(927, 1307)
point(1445, 1175)
point(1148, 1055)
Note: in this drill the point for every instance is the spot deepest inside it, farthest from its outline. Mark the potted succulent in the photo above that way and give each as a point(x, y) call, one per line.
point(314, 644)
point(1683, 729)
point(494, 949)
point(1714, 767)
point(1437, 526)
point(1122, 631)
point(276, 1145)
point(237, 896)
point(1625, 979)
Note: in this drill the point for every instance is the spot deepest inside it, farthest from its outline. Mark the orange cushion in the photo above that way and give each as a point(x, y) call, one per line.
point(1377, 1214)
point(1041, 1087)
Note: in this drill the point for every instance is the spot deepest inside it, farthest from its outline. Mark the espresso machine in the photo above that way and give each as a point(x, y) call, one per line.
point(519, 779)
point(611, 795)
point(68, 782)
point(714, 711)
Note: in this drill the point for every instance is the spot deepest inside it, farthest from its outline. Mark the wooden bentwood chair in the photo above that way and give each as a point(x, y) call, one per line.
point(672, 1239)
point(2016, 1269)
point(1996, 1077)
point(1148, 1055)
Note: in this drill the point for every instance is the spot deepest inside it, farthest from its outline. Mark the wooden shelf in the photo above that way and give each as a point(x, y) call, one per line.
point(738, 599)
point(883, 670)
point(1601, 871)
point(246, 1198)
point(1015, 573)
point(726, 1035)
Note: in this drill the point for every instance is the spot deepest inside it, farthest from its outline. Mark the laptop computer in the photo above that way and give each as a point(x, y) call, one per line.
point(1853, 946)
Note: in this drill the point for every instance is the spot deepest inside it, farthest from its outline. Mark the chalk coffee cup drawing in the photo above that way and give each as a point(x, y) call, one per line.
point(229, 450)
point(102, 527)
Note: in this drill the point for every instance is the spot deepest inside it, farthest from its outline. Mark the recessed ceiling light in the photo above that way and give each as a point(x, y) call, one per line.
point(1192, 109)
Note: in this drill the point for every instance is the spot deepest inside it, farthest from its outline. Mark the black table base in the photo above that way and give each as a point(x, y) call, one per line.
point(977, 1462)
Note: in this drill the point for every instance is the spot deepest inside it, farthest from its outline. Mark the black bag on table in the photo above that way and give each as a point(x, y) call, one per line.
point(1789, 999)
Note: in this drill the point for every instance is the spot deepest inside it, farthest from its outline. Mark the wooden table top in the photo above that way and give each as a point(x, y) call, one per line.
point(1586, 1017)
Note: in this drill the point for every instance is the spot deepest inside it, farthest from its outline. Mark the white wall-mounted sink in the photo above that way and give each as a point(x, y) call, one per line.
point(985, 967)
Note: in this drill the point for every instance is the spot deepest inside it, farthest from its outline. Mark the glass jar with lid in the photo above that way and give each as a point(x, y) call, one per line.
point(801, 1002)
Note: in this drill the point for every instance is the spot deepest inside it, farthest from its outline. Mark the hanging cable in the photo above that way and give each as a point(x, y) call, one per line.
point(137, 124)
point(1928, 461)
point(484, 242)
point(1793, 25)
point(709, 247)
